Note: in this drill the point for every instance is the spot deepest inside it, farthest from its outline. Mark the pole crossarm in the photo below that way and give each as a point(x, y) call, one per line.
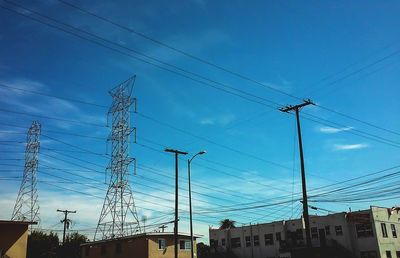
point(289, 108)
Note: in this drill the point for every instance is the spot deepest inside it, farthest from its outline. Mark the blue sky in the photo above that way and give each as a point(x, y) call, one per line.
point(340, 54)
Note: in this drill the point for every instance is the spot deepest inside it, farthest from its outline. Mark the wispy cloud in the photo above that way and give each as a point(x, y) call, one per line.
point(221, 120)
point(328, 129)
point(339, 147)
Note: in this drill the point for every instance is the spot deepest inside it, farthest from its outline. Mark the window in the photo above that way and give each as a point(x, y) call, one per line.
point(256, 240)
point(299, 234)
point(394, 233)
point(384, 230)
point(214, 243)
point(118, 248)
point(314, 232)
point(248, 241)
point(161, 244)
point(364, 230)
point(184, 244)
point(223, 241)
point(87, 250)
point(327, 230)
point(103, 250)
point(269, 239)
point(397, 254)
point(235, 242)
point(278, 236)
point(338, 230)
point(388, 254)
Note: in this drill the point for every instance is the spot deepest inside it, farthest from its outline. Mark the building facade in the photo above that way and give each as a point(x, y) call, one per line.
point(13, 238)
point(146, 245)
point(371, 233)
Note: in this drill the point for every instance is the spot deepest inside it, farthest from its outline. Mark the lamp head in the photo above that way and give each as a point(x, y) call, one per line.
point(202, 152)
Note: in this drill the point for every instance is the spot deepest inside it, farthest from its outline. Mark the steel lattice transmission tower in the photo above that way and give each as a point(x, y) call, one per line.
point(118, 216)
point(26, 207)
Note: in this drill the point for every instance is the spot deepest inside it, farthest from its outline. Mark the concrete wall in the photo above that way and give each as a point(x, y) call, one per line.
point(348, 239)
point(389, 243)
point(13, 240)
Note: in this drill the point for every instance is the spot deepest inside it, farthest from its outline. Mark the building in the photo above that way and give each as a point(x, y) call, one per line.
point(371, 233)
point(146, 245)
point(13, 238)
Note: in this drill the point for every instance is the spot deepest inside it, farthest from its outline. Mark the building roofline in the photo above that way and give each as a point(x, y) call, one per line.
point(141, 235)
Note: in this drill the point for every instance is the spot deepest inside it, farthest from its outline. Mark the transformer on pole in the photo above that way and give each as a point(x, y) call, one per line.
point(118, 217)
point(27, 207)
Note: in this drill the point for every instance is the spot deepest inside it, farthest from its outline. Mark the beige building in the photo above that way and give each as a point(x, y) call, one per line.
point(13, 238)
point(146, 245)
point(371, 233)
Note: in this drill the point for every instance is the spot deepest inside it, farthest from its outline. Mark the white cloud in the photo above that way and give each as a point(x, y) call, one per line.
point(221, 120)
point(350, 146)
point(328, 129)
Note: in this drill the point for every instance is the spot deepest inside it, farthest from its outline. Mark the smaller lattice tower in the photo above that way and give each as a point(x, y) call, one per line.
point(27, 207)
point(118, 217)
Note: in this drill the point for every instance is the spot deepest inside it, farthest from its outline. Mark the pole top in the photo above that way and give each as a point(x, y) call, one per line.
point(289, 108)
point(175, 151)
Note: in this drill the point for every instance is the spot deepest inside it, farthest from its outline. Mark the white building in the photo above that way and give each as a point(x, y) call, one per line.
point(371, 233)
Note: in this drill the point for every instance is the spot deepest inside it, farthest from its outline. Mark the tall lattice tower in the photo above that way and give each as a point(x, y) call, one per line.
point(118, 216)
point(26, 207)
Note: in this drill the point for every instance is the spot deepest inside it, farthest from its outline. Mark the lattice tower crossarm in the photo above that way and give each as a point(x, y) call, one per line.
point(118, 217)
point(27, 207)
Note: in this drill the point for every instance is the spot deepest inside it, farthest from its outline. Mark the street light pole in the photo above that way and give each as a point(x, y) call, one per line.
point(190, 203)
point(176, 152)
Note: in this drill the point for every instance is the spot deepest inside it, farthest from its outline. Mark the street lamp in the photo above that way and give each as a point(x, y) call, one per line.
point(190, 203)
point(176, 152)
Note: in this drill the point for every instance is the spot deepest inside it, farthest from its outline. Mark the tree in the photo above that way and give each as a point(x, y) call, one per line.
point(71, 248)
point(203, 250)
point(227, 224)
point(42, 245)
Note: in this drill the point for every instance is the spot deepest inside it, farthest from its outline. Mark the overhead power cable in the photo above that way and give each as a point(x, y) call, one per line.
point(161, 67)
point(199, 59)
point(131, 30)
point(249, 95)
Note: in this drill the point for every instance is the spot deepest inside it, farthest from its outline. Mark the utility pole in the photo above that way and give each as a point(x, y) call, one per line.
point(177, 152)
point(66, 221)
point(163, 227)
point(306, 217)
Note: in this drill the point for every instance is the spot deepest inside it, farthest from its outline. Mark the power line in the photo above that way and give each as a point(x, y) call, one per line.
point(202, 82)
point(49, 117)
point(93, 35)
point(51, 95)
point(129, 29)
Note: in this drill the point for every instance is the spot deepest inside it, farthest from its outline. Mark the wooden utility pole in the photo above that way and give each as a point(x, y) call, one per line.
point(66, 221)
point(176, 152)
point(306, 217)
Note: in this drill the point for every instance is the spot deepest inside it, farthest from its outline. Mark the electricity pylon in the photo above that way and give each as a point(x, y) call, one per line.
point(26, 207)
point(118, 217)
